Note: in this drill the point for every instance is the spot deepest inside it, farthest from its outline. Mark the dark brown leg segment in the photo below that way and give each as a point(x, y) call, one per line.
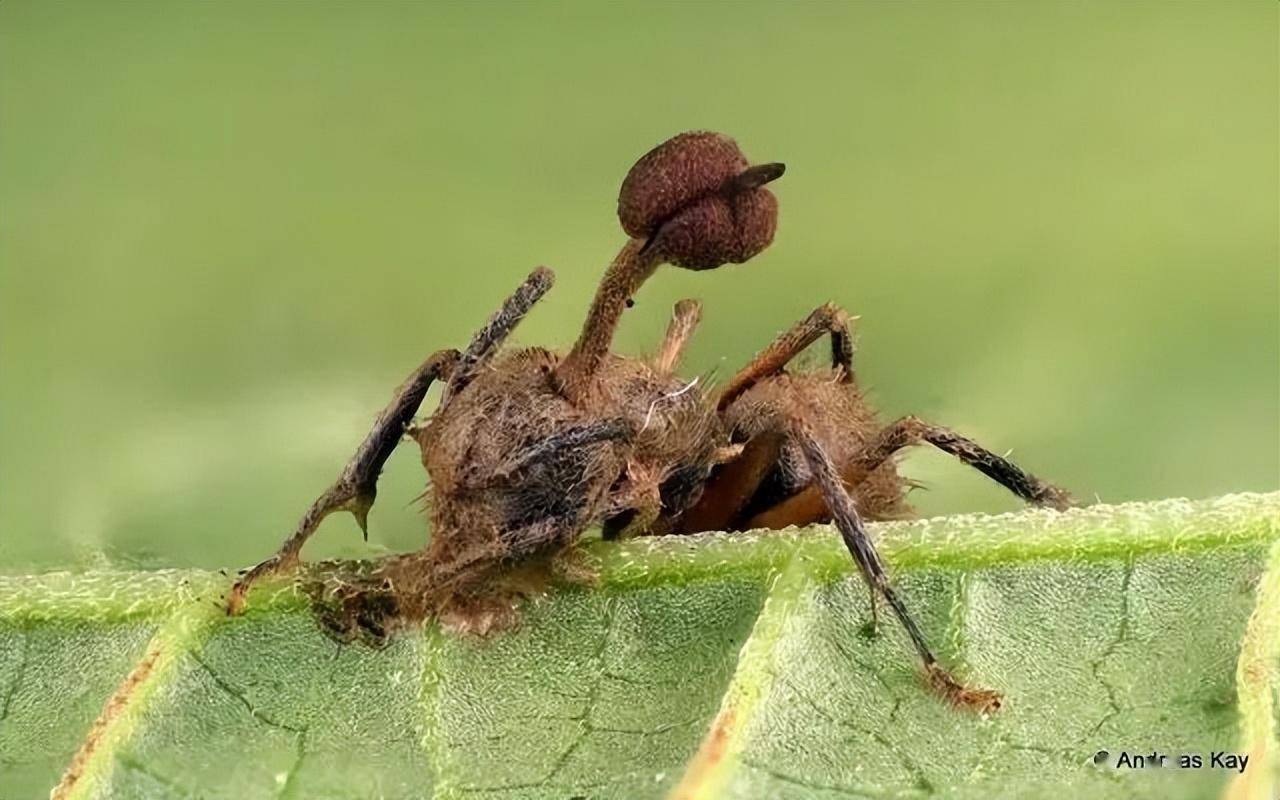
point(864, 554)
point(357, 487)
point(558, 447)
point(809, 506)
point(910, 430)
point(826, 319)
point(489, 338)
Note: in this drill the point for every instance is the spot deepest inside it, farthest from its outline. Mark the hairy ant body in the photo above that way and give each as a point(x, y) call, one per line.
point(529, 448)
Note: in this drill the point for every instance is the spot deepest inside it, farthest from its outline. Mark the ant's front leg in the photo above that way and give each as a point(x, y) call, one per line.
point(357, 486)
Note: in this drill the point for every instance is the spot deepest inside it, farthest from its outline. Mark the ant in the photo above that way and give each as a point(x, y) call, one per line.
point(528, 448)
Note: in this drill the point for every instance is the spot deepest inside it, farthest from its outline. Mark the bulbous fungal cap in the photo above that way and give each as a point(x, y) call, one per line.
point(698, 200)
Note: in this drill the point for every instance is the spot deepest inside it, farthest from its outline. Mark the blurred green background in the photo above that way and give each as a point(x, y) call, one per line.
point(228, 231)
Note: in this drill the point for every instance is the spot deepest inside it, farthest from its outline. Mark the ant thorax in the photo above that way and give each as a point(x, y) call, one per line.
point(510, 454)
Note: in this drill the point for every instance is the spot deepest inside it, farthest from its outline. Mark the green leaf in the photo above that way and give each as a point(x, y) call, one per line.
point(701, 667)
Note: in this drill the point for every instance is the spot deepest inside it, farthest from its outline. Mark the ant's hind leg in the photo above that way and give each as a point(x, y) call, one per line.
point(825, 319)
point(684, 320)
point(357, 486)
point(911, 430)
point(864, 554)
point(807, 506)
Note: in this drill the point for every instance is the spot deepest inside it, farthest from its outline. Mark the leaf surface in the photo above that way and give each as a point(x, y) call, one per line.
point(700, 667)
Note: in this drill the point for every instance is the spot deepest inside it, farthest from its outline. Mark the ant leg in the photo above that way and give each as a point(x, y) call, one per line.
point(555, 448)
point(734, 484)
point(487, 340)
point(807, 506)
point(825, 319)
point(910, 430)
point(864, 553)
point(357, 486)
point(684, 320)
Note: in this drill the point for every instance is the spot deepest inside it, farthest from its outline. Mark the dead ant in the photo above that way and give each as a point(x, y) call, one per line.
point(528, 448)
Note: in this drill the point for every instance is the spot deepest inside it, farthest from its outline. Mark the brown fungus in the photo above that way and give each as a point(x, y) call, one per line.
point(693, 201)
point(698, 203)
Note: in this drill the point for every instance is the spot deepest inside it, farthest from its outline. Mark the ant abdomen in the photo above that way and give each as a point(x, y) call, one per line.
point(840, 419)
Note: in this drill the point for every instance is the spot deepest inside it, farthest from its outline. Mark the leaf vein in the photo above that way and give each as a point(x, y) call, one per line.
point(242, 698)
point(19, 676)
point(1122, 634)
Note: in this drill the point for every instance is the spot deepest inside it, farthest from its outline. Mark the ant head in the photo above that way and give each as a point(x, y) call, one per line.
point(698, 203)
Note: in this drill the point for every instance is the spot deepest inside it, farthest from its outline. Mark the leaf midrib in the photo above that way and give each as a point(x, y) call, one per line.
point(970, 541)
point(184, 602)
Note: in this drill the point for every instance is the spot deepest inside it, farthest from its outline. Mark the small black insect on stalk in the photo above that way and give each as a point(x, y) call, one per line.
point(528, 448)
